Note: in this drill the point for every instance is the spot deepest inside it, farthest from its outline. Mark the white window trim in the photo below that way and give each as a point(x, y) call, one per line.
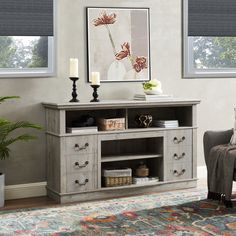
point(188, 70)
point(49, 71)
point(34, 72)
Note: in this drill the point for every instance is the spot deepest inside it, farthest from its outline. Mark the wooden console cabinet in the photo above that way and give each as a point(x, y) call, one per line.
point(75, 160)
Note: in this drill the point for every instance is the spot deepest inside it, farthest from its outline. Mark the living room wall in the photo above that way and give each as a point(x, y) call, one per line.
point(27, 162)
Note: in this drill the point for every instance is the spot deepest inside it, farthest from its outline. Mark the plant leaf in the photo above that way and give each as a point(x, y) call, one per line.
point(2, 99)
point(5, 151)
point(7, 127)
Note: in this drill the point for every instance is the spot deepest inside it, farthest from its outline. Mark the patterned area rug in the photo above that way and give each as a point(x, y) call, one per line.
point(172, 213)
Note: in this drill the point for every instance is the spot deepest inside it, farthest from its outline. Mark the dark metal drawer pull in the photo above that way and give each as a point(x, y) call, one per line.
point(176, 157)
point(177, 173)
point(81, 184)
point(81, 166)
point(176, 140)
point(78, 148)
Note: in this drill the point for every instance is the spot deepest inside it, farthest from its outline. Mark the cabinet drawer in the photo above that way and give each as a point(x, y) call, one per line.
point(78, 163)
point(80, 182)
point(179, 154)
point(178, 171)
point(80, 145)
point(179, 137)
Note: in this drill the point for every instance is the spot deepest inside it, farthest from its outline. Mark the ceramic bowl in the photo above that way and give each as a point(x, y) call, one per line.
point(153, 92)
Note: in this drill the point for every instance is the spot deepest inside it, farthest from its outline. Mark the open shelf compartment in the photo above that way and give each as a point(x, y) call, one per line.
point(182, 114)
point(130, 153)
point(155, 166)
point(76, 118)
point(128, 148)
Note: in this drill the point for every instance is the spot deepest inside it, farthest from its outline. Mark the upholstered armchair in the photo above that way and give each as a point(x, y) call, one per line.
point(210, 140)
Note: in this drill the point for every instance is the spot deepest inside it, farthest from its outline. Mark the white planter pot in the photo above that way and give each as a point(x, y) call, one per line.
point(2, 187)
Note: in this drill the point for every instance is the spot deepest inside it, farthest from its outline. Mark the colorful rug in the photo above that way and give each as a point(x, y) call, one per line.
point(172, 213)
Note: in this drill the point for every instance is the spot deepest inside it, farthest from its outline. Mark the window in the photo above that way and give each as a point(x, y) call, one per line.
point(208, 53)
point(210, 57)
point(26, 56)
point(26, 38)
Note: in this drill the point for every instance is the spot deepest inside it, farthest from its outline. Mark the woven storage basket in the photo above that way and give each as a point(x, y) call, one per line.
point(117, 181)
point(111, 124)
point(117, 177)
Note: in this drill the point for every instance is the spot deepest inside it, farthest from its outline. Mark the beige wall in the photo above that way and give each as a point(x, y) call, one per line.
point(27, 162)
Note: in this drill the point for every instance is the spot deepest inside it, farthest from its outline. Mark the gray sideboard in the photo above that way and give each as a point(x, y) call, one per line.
point(75, 160)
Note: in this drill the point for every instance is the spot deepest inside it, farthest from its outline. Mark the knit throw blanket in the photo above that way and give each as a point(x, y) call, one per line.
point(220, 169)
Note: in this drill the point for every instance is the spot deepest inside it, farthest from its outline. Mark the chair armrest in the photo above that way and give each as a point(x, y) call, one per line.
point(214, 138)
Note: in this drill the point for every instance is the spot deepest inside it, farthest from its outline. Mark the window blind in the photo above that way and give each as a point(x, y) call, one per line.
point(212, 17)
point(26, 17)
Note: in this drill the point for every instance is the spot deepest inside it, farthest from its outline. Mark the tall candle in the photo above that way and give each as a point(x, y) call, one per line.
point(95, 78)
point(74, 67)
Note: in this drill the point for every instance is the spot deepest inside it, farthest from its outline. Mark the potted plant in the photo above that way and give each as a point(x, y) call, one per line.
point(152, 87)
point(7, 138)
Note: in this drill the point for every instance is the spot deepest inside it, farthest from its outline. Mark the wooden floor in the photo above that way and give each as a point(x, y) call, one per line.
point(29, 203)
point(46, 202)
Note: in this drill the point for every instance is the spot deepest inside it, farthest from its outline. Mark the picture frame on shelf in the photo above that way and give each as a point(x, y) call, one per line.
point(118, 43)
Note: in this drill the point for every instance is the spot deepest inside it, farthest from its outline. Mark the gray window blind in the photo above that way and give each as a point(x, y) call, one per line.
point(26, 17)
point(212, 17)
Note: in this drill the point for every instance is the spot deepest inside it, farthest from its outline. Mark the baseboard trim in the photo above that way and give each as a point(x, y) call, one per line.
point(25, 190)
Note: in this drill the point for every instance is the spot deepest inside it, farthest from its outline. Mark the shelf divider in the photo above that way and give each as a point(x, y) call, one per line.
point(129, 157)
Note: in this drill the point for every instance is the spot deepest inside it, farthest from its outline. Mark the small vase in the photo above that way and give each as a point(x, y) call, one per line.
point(144, 121)
point(116, 71)
point(133, 75)
point(154, 91)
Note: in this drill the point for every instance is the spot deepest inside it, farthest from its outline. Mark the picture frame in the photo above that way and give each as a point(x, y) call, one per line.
point(118, 43)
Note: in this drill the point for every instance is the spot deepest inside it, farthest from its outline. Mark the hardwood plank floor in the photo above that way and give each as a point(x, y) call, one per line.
point(29, 203)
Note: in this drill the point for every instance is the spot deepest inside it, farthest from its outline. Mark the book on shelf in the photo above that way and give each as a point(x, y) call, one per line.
point(89, 129)
point(143, 180)
point(166, 123)
point(145, 97)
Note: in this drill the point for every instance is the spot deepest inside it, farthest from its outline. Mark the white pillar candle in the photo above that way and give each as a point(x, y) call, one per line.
point(95, 78)
point(74, 67)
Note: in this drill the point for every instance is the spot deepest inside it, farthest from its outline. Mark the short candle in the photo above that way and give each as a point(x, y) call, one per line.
point(95, 78)
point(74, 68)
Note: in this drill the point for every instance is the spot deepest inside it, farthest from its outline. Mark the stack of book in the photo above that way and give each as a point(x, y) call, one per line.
point(166, 123)
point(145, 97)
point(143, 180)
point(89, 129)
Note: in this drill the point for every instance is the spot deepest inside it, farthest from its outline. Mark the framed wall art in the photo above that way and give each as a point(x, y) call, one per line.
point(118, 42)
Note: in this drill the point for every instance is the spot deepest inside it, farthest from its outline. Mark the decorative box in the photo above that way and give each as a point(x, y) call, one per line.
point(111, 124)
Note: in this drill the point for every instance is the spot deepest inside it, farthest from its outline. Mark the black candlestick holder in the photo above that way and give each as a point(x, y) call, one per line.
point(74, 89)
point(95, 93)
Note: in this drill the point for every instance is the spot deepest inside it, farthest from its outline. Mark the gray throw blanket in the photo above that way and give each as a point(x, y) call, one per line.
point(220, 169)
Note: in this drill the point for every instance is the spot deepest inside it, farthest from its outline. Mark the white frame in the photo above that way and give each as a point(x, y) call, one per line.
point(49, 71)
point(188, 70)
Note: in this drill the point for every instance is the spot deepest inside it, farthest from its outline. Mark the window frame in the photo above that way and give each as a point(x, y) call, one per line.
point(49, 71)
point(34, 72)
point(189, 72)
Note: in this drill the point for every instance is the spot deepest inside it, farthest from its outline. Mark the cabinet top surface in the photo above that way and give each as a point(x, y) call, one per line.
point(121, 104)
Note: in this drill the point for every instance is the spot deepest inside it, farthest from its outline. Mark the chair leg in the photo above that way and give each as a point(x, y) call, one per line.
point(227, 203)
